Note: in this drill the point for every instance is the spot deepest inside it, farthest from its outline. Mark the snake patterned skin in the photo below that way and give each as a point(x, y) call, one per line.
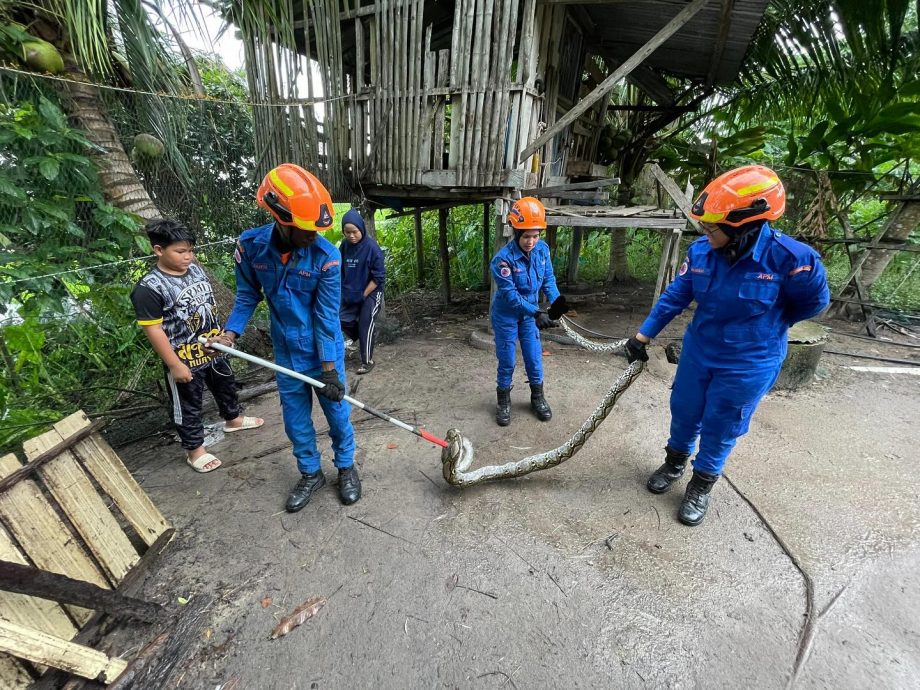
point(457, 458)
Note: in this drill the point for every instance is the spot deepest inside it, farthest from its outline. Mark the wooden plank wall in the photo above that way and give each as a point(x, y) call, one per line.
point(290, 126)
point(410, 113)
point(407, 134)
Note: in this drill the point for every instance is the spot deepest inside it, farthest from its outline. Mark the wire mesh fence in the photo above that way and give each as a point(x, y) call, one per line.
point(82, 165)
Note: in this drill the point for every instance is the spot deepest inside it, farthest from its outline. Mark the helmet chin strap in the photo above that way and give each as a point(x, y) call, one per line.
point(739, 243)
point(283, 237)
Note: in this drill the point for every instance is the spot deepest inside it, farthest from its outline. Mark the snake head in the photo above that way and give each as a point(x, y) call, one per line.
point(456, 457)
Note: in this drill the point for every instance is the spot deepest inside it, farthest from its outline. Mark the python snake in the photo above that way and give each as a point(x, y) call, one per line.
point(457, 458)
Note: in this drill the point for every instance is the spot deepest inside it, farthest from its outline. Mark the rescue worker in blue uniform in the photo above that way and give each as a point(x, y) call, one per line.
point(522, 269)
point(750, 283)
point(298, 273)
point(363, 274)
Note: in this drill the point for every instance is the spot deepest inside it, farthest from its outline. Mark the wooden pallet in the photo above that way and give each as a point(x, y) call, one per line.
point(75, 510)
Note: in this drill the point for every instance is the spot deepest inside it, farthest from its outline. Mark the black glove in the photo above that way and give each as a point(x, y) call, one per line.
point(543, 320)
point(635, 350)
point(334, 389)
point(558, 308)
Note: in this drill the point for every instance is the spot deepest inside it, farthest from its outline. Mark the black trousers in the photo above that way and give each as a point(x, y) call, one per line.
point(186, 400)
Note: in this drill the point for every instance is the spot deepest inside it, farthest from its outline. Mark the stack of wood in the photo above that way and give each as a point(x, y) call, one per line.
point(77, 532)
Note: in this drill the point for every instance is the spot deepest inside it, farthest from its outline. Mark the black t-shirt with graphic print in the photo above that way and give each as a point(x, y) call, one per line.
point(183, 306)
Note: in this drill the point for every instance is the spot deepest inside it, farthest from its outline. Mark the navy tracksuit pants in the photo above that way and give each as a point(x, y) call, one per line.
point(359, 322)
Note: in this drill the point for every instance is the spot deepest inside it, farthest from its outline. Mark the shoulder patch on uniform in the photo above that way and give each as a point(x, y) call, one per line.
point(684, 267)
point(238, 252)
point(504, 271)
point(330, 264)
point(799, 250)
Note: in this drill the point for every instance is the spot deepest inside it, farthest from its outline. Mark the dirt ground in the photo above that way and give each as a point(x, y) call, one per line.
point(572, 577)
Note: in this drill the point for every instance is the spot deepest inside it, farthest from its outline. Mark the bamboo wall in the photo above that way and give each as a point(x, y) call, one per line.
point(407, 114)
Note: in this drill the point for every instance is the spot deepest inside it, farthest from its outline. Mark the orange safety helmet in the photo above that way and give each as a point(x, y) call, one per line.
point(741, 196)
point(296, 198)
point(527, 213)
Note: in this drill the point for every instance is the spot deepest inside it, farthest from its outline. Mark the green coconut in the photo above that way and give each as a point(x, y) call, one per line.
point(148, 146)
point(41, 56)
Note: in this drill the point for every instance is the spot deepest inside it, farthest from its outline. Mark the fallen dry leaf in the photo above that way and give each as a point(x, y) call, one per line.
point(298, 616)
point(391, 446)
point(266, 602)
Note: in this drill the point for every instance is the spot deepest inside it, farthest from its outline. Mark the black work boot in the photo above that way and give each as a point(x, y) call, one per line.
point(349, 485)
point(673, 468)
point(503, 408)
point(538, 403)
point(696, 500)
point(310, 483)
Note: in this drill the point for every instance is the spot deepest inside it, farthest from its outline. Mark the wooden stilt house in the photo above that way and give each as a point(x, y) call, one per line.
point(428, 103)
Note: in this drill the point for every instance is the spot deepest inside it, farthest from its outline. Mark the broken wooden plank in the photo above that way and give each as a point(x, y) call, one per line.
point(602, 222)
point(47, 541)
point(42, 648)
point(110, 472)
point(598, 197)
point(89, 514)
point(682, 17)
point(25, 579)
point(41, 614)
point(570, 187)
point(680, 200)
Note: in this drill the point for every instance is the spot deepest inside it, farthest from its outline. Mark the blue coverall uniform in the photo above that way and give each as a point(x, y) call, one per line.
point(518, 282)
point(736, 343)
point(303, 299)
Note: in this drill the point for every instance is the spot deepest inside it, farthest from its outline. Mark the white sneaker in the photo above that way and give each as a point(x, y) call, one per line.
point(350, 345)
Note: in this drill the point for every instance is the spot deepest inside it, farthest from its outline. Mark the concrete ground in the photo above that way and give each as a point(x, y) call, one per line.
point(571, 577)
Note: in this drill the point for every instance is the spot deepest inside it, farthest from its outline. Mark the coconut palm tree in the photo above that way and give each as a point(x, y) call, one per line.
point(842, 75)
point(117, 43)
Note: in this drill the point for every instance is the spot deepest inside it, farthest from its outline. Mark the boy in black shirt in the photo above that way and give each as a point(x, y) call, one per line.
point(174, 305)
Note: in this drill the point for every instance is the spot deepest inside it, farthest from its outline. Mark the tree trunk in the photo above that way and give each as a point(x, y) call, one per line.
point(119, 180)
point(120, 183)
point(904, 220)
point(617, 268)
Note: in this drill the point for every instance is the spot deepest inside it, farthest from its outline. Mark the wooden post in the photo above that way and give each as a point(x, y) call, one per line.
point(419, 249)
point(369, 223)
point(486, 243)
point(574, 253)
point(551, 240)
point(445, 256)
